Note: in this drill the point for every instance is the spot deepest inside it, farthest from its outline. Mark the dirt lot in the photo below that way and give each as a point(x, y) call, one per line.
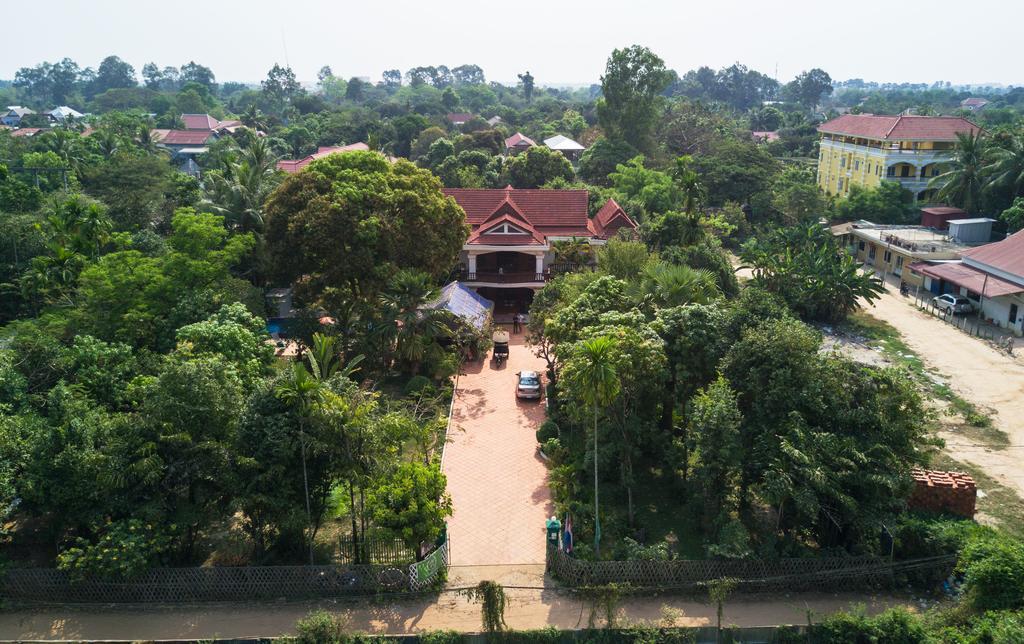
point(979, 373)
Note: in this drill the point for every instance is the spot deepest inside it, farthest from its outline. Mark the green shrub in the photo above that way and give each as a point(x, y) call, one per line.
point(441, 637)
point(416, 384)
point(993, 573)
point(547, 431)
point(321, 627)
point(553, 449)
point(123, 550)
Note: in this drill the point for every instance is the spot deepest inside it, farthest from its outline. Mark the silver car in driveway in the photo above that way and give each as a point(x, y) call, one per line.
point(955, 304)
point(528, 385)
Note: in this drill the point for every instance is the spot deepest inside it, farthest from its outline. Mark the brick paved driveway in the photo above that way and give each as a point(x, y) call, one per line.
point(497, 480)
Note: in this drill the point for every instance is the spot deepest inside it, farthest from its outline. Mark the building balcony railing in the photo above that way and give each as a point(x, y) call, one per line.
point(502, 277)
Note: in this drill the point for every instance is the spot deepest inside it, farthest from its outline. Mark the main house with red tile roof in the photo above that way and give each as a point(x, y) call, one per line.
point(291, 166)
point(509, 253)
point(866, 149)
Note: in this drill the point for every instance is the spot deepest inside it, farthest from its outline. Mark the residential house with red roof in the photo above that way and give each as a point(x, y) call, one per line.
point(866, 149)
point(459, 118)
point(185, 146)
point(509, 253)
point(517, 143)
point(291, 166)
point(991, 276)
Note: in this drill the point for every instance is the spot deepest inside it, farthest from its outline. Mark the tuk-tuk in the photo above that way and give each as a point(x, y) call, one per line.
point(500, 339)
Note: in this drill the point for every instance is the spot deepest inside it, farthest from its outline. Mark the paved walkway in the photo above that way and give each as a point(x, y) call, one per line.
point(497, 480)
point(525, 609)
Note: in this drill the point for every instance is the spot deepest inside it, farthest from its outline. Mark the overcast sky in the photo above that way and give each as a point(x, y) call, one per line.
point(559, 41)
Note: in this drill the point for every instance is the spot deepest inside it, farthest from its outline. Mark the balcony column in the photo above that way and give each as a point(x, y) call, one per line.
point(540, 263)
point(471, 263)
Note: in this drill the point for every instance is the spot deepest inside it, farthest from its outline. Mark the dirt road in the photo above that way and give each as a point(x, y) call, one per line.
point(979, 373)
point(526, 609)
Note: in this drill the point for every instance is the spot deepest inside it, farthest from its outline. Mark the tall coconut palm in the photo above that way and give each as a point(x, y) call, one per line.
point(302, 391)
point(962, 183)
point(594, 376)
point(1005, 169)
point(238, 191)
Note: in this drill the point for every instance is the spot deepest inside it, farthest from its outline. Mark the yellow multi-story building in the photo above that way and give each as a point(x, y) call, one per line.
point(866, 149)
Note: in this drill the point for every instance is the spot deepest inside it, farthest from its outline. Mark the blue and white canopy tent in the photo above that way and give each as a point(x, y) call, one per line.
point(464, 303)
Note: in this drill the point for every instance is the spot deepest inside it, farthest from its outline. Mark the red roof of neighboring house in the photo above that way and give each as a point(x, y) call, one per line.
point(27, 131)
point(969, 277)
point(291, 166)
point(540, 213)
point(974, 102)
point(186, 137)
point(1006, 255)
point(764, 135)
point(459, 117)
point(519, 140)
point(943, 211)
point(611, 218)
point(199, 122)
point(899, 128)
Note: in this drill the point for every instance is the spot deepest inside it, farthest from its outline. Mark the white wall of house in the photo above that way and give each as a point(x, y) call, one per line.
point(998, 310)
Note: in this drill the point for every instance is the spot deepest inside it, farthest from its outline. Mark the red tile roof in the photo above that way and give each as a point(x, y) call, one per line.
point(1006, 256)
point(27, 131)
point(519, 139)
point(969, 277)
point(291, 166)
point(199, 122)
point(548, 213)
point(899, 128)
point(186, 137)
point(944, 211)
point(611, 218)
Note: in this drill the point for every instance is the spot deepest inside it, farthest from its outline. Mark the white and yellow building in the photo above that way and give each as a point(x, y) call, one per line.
point(866, 149)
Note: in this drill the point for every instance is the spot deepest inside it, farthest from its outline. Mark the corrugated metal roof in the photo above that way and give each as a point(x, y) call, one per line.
point(465, 303)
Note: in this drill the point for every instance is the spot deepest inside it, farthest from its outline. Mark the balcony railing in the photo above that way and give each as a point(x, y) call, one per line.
point(502, 277)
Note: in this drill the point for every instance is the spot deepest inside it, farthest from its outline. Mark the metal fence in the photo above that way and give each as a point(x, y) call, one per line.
point(178, 585)
point(752, 574)
point(376, 551)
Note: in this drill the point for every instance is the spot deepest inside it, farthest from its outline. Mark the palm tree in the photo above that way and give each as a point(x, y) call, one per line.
point(107, 142)
point(596, 379)
point(410, 327)
point(238, 191)
point(305, 390)
point(667, 285)
point(302, 391)
point(1006, 166)
point(962, 183)
point(688, 181)
point(254, 118)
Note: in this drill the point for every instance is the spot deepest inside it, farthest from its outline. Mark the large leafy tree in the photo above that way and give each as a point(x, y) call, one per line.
point(348, 222)
point(631, 89)
point(538, 166)
point(889, 203)
point(806, 268)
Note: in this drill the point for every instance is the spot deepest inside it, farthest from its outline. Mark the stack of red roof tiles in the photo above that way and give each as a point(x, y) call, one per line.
point(952, 492)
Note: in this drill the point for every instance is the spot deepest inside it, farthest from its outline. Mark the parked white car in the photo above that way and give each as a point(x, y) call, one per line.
point(955, 304)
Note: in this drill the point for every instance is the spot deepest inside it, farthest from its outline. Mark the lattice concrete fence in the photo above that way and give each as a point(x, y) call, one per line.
point(789, 574)
point(178, 585)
